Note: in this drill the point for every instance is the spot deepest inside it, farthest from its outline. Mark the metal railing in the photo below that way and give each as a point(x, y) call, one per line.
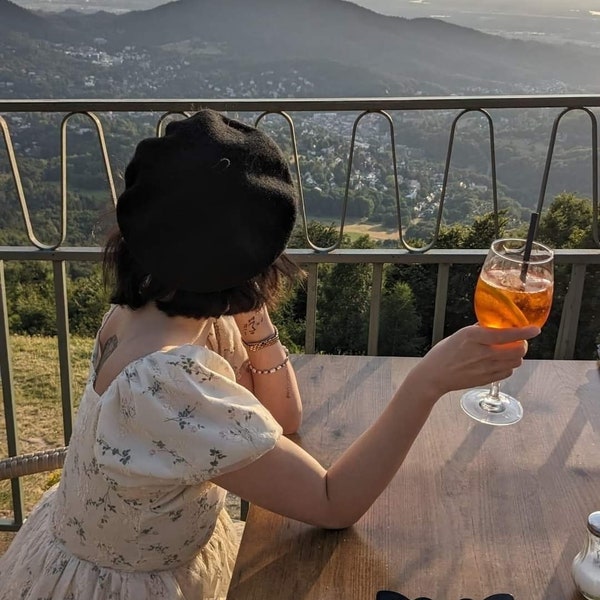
point(59, 255)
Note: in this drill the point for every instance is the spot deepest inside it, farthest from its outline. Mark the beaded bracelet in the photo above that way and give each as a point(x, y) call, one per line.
point(280, 366)
point(268, 341)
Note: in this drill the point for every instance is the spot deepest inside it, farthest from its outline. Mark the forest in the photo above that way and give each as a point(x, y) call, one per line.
point(344, 290)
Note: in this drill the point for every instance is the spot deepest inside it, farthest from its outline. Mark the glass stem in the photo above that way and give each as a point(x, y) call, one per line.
point(492, 402)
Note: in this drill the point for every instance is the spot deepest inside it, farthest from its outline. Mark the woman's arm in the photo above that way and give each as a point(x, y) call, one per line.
point(276, 389)
point(289, 481)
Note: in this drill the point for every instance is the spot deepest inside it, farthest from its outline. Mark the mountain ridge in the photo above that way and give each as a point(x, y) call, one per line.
point(429, 50)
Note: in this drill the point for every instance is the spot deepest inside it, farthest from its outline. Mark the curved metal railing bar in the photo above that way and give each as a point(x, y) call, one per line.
point(347, 186)
point(438, 220)
point(349, 174)
point(63, 159)
point(349, 177)
point(278, 106)
point(63, 152)
point(297, 172)
point(551, 146)
point(160, 129)
point(14, 167)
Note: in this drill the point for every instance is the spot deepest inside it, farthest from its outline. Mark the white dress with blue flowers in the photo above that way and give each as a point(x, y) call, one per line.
point(135, 515)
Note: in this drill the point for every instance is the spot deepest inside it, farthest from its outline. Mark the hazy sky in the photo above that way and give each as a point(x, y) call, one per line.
point(397, 7)
point(391, 7)
point(554, 21)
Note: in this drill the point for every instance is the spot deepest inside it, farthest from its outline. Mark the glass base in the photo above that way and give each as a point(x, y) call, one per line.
point(480, 406)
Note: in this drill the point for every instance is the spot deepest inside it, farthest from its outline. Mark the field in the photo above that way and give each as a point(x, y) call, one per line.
point(356, 228)
point(377, 232)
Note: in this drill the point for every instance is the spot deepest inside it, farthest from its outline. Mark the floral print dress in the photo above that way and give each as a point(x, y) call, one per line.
point(135, 515)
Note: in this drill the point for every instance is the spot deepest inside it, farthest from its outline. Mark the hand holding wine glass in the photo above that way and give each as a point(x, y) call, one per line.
point(514, 289)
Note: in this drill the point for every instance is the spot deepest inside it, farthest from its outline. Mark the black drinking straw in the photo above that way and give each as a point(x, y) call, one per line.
point(528, 244)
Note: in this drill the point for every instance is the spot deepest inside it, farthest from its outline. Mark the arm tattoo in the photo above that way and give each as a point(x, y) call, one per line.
point(250, 326)
point(253, 322)
point(288, 385)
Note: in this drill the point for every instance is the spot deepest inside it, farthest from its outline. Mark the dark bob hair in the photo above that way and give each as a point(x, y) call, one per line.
point(134, 287)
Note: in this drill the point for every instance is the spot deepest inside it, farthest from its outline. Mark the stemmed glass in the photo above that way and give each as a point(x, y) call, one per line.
point(513, 290)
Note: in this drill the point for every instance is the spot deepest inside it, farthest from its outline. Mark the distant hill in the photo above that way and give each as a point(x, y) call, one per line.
point(437, 54)
point(13, 18)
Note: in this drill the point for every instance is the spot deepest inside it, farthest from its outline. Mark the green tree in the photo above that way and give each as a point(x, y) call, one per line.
point(88, 302)
point(399, 324)
point(343, 306)
point(463, 278)
point(290, 314)
point(30, 298)
point(568, 224)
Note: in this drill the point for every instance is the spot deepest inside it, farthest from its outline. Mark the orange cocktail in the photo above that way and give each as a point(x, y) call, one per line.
point(502, 299)
point(514, 289)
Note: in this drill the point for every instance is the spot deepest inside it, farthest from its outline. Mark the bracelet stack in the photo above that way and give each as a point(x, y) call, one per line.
point(268, 341)
point(274, 369)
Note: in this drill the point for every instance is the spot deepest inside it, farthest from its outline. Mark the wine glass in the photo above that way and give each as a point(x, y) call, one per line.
point(513, 290)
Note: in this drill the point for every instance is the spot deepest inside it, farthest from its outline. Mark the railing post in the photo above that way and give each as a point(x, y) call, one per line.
point(569, 319)
point(310, 339)
point(64, 354)
point(375, 309)
point(12, 437)
point(441, 302)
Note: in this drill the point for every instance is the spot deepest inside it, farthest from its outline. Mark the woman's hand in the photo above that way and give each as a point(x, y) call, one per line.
point(473, 356)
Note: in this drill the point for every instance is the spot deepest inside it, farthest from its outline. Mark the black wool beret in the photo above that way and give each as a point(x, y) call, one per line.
point(207, 206)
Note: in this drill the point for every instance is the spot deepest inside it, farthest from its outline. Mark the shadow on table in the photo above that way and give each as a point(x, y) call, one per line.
point(305, 556)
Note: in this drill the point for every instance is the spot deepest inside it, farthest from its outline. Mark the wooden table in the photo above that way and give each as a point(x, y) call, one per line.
point(474, 510)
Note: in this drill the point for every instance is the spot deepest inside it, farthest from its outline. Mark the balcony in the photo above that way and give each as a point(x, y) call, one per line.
point(403, 250)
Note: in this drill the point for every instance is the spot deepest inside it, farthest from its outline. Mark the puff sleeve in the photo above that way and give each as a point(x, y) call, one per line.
point(179, 417)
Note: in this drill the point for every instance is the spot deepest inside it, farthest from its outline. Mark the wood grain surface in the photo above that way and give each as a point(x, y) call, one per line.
point(475, 509)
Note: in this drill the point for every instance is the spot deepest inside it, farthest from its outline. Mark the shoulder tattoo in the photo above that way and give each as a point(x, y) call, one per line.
point(109, 347)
